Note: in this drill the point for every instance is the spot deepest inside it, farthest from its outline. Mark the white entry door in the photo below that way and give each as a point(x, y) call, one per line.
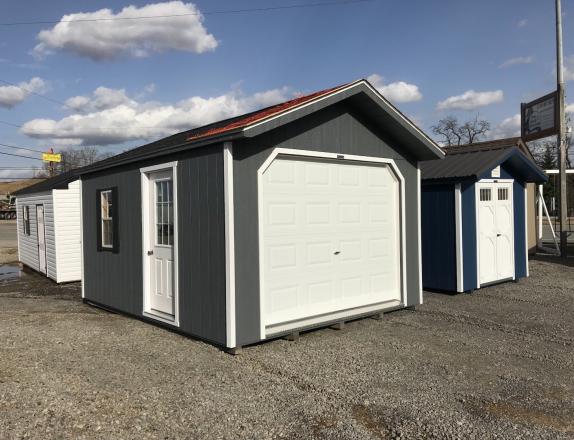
point(496, 231)
point(41, 229)
point(160, 249)
point(330, 239)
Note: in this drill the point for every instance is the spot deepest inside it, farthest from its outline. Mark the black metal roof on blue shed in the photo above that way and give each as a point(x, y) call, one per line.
point(474, 164)
point(60, 181)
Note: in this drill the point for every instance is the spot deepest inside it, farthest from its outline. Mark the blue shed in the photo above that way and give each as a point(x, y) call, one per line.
point(473, 212)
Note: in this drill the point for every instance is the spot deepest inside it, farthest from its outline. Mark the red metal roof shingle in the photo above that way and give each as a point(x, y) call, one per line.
point(265, 113)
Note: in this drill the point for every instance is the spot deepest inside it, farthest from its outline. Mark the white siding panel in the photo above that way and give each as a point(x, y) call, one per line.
point(67, 232)
point(28, 244)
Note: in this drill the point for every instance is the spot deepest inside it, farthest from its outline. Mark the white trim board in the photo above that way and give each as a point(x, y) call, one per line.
point(230, 321)
point(459, 244)
point(80, 183)
point(144, 172)
point(419, 233)
point(332, 156)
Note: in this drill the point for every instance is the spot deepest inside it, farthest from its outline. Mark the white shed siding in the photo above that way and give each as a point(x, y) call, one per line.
point(28, 244)
point(67, 232)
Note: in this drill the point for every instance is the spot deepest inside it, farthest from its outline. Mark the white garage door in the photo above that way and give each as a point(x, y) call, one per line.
point(330, 239)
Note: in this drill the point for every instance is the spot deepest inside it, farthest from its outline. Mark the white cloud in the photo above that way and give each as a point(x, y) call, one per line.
point(102, 98)
point(569, 108)
point(399, 91)
point(518, 60)
point(569, 68)
point(522, 23)
point(509, 127)
point(471, 100)
point(109, 116)
point(14, 95)
point(117, 35)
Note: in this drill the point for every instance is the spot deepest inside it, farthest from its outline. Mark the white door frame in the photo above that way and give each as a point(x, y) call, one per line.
point(145, 184)
point(346, 157)
point(477, 201)
point(43, 270)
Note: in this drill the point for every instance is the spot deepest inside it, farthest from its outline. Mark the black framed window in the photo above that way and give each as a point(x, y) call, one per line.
point(26, 219)
point(107, 219)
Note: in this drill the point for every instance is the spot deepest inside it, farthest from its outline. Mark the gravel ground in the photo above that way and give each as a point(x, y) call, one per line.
point(495, 364)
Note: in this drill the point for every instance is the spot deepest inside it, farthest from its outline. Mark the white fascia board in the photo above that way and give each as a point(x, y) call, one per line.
point(390, 106)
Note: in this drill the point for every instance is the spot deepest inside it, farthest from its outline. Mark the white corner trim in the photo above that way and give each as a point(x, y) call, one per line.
point(230, 321)
point(477, 230)
point(344, 89)
point(419, 233)
point(81, 189)
point(333, 156)
point(526, 227)
point(144, 172)
point(459, 245)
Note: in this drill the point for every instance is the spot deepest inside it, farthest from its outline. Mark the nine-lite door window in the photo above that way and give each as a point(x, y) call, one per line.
point(26, 218)
point(107, 206)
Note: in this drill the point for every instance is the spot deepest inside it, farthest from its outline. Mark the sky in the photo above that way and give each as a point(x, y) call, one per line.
point(116, 84)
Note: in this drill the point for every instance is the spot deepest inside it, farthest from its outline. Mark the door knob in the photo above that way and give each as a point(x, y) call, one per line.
point(498, 235)
point(150, 252)
point(337, 252)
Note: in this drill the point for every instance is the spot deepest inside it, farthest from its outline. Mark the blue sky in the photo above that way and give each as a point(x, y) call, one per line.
point(153, 79)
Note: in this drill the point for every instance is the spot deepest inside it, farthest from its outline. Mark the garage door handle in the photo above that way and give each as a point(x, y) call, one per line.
point(498, 235)
point(150, 252)
point(336, 252)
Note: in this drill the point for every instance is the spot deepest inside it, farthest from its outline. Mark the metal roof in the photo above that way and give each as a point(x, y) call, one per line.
point(236, 127)
point(473, 163)
point(60, 181)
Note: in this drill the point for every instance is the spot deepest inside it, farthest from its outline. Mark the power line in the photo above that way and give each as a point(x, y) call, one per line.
point(15, 147)
point(221, 12)
point(20, 155)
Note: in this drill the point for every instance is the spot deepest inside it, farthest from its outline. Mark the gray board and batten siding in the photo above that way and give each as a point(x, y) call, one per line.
point(115, 280)
point(355, 122)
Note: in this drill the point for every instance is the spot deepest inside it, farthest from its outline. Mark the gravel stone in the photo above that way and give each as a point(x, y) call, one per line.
point(495, 364)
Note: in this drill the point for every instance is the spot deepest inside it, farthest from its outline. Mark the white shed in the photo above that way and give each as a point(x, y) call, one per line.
point(49, 232)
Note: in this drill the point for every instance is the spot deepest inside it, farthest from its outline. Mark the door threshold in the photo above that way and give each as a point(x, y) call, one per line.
point(160, 316)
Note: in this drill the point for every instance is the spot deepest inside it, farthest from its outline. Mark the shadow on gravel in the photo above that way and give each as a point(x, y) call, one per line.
point(18, 281)
point(556, 259)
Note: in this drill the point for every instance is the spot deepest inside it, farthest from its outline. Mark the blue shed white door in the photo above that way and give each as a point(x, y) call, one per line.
point(495, 231)
point(330, 239)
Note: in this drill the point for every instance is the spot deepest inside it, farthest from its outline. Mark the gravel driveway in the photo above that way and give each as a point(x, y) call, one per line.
point(494, 364)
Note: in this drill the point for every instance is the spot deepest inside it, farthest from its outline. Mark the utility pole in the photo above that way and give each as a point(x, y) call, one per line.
point(561, 134)
point(51, 164)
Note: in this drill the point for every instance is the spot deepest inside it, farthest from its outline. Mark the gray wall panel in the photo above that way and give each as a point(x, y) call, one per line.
point(336, 129)
point(115, 280)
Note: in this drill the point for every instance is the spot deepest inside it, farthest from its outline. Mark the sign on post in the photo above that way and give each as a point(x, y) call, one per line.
point(539, 118)
point(51, 157)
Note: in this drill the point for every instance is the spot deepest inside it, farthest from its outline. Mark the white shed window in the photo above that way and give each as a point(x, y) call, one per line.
point(485, 195)
point(502, 193)
point(26, 219)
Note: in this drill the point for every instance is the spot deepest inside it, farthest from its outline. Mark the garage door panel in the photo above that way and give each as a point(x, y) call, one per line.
point(338, 246)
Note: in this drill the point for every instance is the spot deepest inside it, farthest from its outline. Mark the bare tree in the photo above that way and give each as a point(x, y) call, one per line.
point(73, 158)
point(542, 150)
point(454, 133)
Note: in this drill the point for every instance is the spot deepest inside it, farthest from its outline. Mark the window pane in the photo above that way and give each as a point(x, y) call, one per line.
point(107, 233)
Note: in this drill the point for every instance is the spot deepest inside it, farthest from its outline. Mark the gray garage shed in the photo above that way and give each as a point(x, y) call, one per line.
point(296, 216)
